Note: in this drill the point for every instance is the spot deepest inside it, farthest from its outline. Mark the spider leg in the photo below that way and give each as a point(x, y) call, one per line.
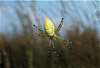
point(60, 25)
point(69, 46)
point(49, 48)
point(64, 40)
point(54, 49)
point(73, 50)
point(37, 28)
point(43, 36)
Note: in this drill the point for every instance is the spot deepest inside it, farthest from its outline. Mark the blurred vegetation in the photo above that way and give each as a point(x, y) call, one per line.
point(27, 50)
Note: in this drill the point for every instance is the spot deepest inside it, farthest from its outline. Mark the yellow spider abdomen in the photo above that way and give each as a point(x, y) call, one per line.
point(49, 27)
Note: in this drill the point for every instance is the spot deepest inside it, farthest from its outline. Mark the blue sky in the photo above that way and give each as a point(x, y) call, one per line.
point(51, 9)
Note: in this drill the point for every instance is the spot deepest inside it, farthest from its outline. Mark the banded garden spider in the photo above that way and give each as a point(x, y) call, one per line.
point(51, 33)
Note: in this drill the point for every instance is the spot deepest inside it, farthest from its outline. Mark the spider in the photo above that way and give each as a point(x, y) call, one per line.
point(51, 33)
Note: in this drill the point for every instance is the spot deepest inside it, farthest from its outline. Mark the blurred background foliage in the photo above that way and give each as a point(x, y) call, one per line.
point(20, 47)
